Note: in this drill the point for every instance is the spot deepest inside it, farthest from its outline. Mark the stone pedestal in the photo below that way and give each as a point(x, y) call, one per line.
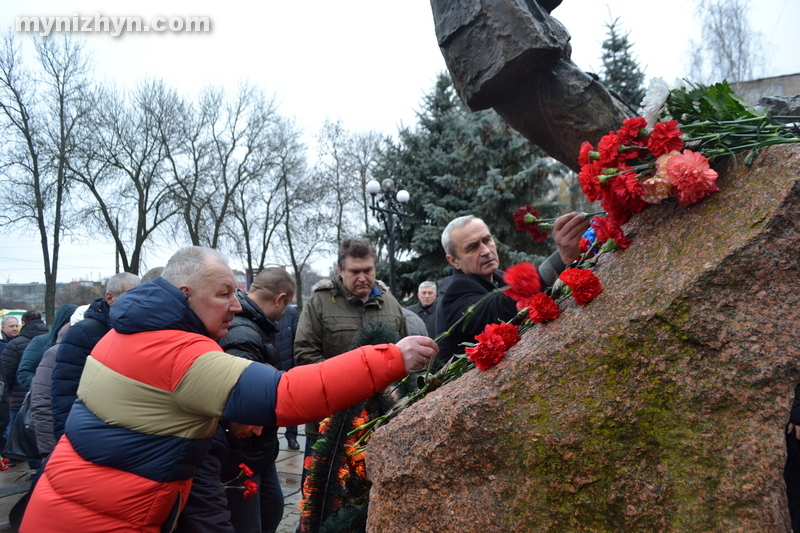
point(660, 406)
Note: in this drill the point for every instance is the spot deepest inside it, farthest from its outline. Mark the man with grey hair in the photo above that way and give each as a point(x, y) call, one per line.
point(426, 308)
point(152, 274)
point(10, 328)
point(78, 343)
point(155, 387)
point(471, 251)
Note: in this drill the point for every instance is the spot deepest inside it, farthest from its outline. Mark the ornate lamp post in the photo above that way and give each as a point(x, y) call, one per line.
point(386, 207)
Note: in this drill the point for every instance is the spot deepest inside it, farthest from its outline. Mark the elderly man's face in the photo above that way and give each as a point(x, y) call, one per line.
point(477, 253)
point(11, 328)
point(214, 301)
point(358, 275)
point(426, 296)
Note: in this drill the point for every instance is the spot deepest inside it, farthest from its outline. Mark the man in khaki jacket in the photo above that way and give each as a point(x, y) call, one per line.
point(340, 307)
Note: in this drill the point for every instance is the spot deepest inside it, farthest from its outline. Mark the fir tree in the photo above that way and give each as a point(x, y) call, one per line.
point(454, 163)
point(621, 72)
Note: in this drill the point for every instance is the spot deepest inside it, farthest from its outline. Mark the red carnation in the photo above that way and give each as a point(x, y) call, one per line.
point(489, 351)
point(584, 284)
point(607, 228)
point(665, 138)
point(541, 308)
point(615, 211)
point(609, 149)
point(531, 225)
point(250, 488)
point(590, 182)
point(585, 156)
point(523, 281)
point(585, 245)
point(492, 345)
point(631, 131)
point(508, 332)
point(246, 470)
point(628, 191)
point(691, 177)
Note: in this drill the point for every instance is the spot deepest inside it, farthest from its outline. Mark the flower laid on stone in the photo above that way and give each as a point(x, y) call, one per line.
point(584, 285)
point(4, 463)
point(541, 308)
point(606, 230)
point(666, 152)
point(492, 344)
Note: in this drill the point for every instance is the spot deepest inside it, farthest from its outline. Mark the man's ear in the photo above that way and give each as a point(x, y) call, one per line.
point(280, 298)
point(185, 290)
point(109, 296)
point(453, 261)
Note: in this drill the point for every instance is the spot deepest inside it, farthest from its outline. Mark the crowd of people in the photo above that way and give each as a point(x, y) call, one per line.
point(149, 398)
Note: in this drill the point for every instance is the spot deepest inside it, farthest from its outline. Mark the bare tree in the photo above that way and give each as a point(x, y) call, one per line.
point(258, 209)
point(41, 113)
point(124, 168)
point(307, 228)
point(224, 145)
point(363, 150)
point(730, 47)
point(335, 169)
point(188, 152)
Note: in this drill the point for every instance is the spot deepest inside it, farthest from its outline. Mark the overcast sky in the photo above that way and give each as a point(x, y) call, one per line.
point(367, 63)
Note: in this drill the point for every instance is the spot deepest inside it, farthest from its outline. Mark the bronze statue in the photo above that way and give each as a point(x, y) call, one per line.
point(511, 55)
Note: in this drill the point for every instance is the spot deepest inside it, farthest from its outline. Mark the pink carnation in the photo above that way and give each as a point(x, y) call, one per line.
point(692, 178)
point(656, 189)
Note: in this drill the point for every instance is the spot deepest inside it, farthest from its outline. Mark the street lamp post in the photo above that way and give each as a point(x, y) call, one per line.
point(386, 207)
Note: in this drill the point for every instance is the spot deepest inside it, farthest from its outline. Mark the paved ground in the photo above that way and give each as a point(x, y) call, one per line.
point(289, 463)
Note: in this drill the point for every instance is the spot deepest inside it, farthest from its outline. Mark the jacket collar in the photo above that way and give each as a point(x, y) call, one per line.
point(154, 306)
point(497, 278)
point(375, 294)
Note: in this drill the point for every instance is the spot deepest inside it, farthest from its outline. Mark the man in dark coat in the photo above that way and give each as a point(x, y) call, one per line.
point(471, 251)
point(32, 326)
point(77, 345)
point(426, 308)
point(284, 342)
point(8, 331)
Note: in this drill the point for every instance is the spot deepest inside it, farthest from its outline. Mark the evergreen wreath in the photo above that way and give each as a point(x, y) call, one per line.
point(336, 491)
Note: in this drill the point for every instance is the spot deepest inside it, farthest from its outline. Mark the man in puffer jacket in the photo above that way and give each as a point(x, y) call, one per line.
point(155, 386)
point(40, 389)
point(77, 345)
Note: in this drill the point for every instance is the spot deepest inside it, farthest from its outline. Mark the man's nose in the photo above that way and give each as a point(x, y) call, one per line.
point(235, 305)
point(257, 430)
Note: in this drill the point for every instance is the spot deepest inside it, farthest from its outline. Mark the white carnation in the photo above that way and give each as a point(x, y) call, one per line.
point(655, 101)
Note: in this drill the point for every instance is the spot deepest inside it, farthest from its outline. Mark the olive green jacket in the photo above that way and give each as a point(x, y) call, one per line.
point(332, 317)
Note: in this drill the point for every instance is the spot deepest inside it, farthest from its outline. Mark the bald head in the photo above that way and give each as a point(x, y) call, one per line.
point(204, 277)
